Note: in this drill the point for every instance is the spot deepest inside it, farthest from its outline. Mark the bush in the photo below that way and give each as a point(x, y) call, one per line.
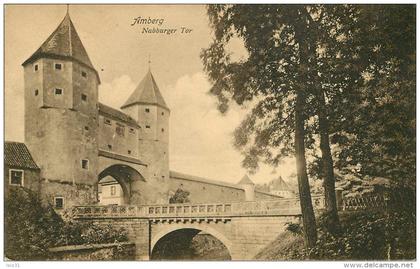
point(368, 235)
point(179, 197)
point(31, 228)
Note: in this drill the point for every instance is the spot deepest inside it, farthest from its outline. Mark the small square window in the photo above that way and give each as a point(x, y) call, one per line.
point(58, 202)
point(148, 126)
point(147, 110)
point(86, 128)
point(84, 97)
point(129, 151)
point(58, 66)
point(132, 131)
point(163, 130)
point(107, 121)
point(16, 177)
point(109, 147)
point(36, 92)
point(36, 67)
point(85, 164)
point(84, 74)
point(58, 91)
point(163, 113)
point(113, 190)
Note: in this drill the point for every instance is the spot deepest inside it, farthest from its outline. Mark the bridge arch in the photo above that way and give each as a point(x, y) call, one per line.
point(164, 231)
point(124, 175)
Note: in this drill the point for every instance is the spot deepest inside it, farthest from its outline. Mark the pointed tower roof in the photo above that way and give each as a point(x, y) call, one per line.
point(147, 92)
point(246, 181)
point(63, 43)
point(280, 185)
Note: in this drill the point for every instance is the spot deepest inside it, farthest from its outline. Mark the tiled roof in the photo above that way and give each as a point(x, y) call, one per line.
point(64, 42)
point(17, 155)
point(147, 92)
point(116, 114)
point(246, 180)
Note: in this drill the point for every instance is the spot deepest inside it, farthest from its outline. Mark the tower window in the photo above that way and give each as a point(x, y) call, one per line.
point(129, 151)
point(120, 129)
point(84, 97)
point(84, 74)
point(58, 66)
point(85, 164)
point(36, 67)
point(59, 202)
point(147, 110)
point(148, 126)
point(36, 92)
point(132, 131)
point(107, 121)
point(163, 113)
point(16, 177)
point(163, 130)
point(109, 147)
point(58, 91)
point(86, 128)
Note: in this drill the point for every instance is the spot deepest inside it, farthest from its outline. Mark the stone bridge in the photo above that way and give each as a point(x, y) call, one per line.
point(244, 228)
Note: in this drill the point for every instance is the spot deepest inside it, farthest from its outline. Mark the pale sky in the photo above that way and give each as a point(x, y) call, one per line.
point(200, 137)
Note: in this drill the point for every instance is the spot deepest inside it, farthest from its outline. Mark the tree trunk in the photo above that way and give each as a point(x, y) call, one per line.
point(327, 166)
point(308, 216)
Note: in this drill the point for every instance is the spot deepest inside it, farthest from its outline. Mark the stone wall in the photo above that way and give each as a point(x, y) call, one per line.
point(73, 193)
point(124, 251)
point(201, 192)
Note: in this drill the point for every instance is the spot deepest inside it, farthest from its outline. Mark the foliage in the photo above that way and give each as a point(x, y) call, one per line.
point(286, 247)
point(294, 228)
point(179, 197)
point(32, 227)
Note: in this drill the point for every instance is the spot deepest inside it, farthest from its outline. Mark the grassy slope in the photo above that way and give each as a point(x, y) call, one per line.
point(286, 242)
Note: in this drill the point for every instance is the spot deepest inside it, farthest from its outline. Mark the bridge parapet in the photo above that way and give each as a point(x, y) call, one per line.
point(278, 207)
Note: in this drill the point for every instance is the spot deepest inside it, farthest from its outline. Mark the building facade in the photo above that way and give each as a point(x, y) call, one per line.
point(77, 142)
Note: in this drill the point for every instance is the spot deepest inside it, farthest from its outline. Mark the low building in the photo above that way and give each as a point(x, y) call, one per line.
point(110, 192)
point(20, 169)
point(281, 188)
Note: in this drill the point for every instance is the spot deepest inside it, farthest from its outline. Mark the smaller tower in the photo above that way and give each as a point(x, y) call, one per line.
point(249, 188)
point(147, 106)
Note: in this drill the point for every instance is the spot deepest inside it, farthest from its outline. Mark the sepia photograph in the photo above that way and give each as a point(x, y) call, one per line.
point(210, 132)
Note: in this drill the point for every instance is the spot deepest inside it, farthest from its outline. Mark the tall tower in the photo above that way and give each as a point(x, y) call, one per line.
point(147, 106)
point(61, 98)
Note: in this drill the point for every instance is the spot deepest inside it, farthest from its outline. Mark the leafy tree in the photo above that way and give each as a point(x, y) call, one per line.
point(180, 196)
point(276, 76)
point(375, 130)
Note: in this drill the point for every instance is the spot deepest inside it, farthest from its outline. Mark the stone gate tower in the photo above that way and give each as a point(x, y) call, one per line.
point(61, 99)
point(147, 106)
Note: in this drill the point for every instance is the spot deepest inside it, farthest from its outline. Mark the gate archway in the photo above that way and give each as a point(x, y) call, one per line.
point(124, 175)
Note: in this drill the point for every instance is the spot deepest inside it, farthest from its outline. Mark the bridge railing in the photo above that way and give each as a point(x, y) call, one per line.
point(286, 206)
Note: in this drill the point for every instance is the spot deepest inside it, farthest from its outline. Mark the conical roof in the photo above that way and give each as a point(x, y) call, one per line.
point(64, 43)
point(246, 181)
point(147, 92)
point(279, 184)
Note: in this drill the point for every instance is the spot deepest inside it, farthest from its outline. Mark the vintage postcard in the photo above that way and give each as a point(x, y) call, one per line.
point(211, 132)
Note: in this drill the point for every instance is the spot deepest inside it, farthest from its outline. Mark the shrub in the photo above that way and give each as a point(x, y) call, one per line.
point(179, 197)
point(31, 228)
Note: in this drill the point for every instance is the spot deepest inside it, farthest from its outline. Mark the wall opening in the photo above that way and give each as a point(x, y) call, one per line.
point(114, 184)
point(190, 244)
